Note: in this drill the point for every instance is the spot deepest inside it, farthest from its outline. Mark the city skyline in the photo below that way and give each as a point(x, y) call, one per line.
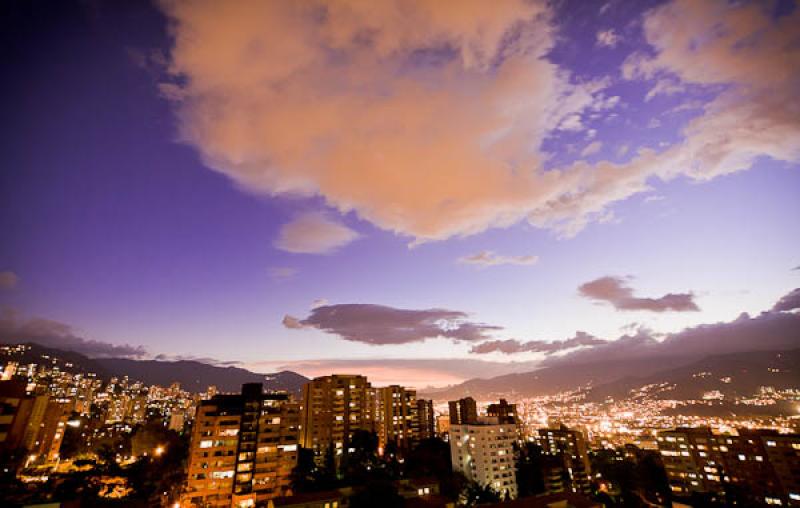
point(421, 193)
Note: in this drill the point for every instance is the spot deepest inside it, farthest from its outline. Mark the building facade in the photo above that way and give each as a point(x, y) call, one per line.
point(762, 466)
point(569, 447)
point(334, 407)
point(484, 452)
point(426, 419)
point(463, 411)
point(243, 449)
point(397, 417)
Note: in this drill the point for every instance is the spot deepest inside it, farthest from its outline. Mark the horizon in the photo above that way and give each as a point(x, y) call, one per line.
point(423, 193)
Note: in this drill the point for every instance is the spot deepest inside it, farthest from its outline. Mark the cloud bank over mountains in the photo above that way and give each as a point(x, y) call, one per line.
point(50, 333)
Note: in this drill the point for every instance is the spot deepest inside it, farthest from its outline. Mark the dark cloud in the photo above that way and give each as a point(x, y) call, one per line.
point(769, 331)
point(59, 335)
point(789, 301)
point(537, 346)
point(378, 324)
point(201, 359)
point(615, 291)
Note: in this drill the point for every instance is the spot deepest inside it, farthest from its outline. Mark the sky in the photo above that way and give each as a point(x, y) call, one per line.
point(394, 188)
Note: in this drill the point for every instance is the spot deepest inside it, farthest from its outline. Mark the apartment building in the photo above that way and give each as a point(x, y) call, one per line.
point(397, 417)
point(569, 447)
point(484, 452)
point(426, 419)
point(334, 407)
point(243, 449)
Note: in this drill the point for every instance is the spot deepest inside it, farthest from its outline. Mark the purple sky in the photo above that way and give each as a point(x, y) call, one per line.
point(193, 179)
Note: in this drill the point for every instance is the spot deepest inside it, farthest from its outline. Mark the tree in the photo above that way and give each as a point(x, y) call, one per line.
point(476, 494)
point(308, 477)
point(430, 458)
point(379, 491)
point(361, 458)
point(530, 475)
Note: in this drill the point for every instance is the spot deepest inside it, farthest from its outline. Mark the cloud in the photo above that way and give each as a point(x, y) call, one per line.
point(49, 333)
point(607, 38)
point(512, 346)
point(427, 118)
point(615, 291)
point(418, 116)
point(489, 258)
point(8, 280)
point(314, 233)
point(773, 330)
point(790, 301)
point(282, 272)
point(592, 148)
point(382, 325)
point(664, 86)
point(319, 302)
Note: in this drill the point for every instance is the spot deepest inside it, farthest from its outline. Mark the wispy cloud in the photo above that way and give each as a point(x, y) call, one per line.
point(382, 325)
point(615, 290)
point(608, 38)
point(488, 258)
point(592, 148)
point(8, 280)
point(314, 233)
point(282, 272)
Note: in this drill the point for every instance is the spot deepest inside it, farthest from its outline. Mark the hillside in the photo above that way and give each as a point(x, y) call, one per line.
point(551, 380)
point(735, 374)
point(196, 376)
point(192, 375)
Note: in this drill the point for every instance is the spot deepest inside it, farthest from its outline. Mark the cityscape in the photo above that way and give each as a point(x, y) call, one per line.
point(400, 254)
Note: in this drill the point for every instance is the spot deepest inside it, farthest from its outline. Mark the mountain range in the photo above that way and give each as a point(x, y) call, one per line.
point(682, 377)
point(194, 376)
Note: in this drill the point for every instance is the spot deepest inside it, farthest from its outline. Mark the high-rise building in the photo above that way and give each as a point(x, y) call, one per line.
point(783, 454)
point(503, 411)
point(463, 411)
point(425, 417)
point(15, 410)
point(334, 407)
point(762, 465)
point(484, 452)
point(397, 418)
point(693, 459)
point(569, 446)
point(243, 449)
point(33, 422)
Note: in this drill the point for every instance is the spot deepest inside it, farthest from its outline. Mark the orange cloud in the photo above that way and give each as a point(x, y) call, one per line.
point(426, 118)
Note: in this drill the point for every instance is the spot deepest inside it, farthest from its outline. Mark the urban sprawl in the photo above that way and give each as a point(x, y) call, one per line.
point(70, 437)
